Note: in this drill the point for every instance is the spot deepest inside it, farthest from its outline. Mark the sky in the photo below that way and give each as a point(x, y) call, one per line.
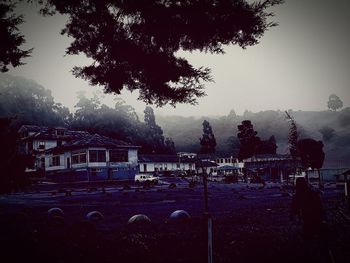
point(296, 65)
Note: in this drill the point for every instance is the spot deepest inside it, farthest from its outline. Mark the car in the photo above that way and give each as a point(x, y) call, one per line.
point(140, 178)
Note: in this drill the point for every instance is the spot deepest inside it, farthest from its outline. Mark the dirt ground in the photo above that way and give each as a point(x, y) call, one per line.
point(250, 224)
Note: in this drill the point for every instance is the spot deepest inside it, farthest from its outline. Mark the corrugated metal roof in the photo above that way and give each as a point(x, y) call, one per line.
point(94, 140)
point(200, 163)
point(164, 158)
point(49, 133)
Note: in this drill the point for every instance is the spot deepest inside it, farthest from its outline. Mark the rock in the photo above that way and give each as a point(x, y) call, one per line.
point(139, 219)
point(179, 215)
point(94, 216)
point(55, 211)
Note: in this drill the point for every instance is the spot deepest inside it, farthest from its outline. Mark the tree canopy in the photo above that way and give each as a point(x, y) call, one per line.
point(251, 144)
point(13, 164)
point(11, 39)
point(334, 102)
point(134, 44)
point(292, 136)
point(208, 141)
point(30, 103)
point(154, 135)
point(249, 141)
point(311, 153)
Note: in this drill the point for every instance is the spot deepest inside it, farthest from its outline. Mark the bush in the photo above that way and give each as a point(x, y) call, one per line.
point(172, 186)
point(230, 179)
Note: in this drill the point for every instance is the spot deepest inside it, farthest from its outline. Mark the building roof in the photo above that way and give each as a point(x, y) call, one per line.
point(228, 168)
point(48, 133)
point(268, 157)
point(29, 128)
point(94, 140)
point(200, 163)
point(164, 158)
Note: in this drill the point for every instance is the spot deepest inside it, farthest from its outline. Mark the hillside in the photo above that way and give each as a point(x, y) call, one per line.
point(186, 131)
point(30, 103)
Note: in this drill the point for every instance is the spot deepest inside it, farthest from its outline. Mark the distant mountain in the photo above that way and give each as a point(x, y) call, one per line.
point(330, 127)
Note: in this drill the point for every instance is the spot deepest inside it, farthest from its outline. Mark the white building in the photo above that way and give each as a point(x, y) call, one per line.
point(65, 155)
point(161, 162)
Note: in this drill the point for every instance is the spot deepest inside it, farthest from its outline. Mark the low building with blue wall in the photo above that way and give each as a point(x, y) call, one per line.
point(91, 158)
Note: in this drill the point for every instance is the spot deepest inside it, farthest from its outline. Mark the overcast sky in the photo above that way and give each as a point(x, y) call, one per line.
point(296, 65)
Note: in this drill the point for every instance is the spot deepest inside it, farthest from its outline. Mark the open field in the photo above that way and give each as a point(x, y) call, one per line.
point(250, 224)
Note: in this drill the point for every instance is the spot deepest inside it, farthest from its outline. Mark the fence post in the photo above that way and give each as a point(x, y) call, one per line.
point(347, 190)
point(207, 217)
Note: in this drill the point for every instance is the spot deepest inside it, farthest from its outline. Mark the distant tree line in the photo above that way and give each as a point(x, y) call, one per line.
point(251, 144)
point(23, 101)
point(29, 103)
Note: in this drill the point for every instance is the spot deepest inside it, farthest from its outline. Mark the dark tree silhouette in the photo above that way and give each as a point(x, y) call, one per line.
point(119, 122)
point(170, 146)
point(11, 39)
point(334, 102)
point(344, 117)
point(133, 44)
point(154, 136)
point(233, 145)
point(327, 133)
point(30, 103)
point(248, 139)
point(311, 153)
point(12, 163)
point(292, 136)
point(267, 147)
point(208, 141)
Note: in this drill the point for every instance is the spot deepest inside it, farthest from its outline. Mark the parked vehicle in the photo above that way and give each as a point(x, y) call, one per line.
point(140, 178)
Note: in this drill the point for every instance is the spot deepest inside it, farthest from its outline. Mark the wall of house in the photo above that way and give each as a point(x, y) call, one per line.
point(48, 144)
point(151, 167)
point(53, 168)
point(188, 166)
point(133, 157)
point(92, 171)
point(123, 172)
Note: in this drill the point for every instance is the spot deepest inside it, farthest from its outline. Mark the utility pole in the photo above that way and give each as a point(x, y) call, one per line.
point(347, 189)
point(207, 216)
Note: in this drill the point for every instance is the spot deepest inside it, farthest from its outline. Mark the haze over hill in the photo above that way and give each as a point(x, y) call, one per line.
point(328, 126)
point(33, 104)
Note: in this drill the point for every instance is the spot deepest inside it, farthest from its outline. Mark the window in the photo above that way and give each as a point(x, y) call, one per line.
point(60, 132)
point(55, 160)
point(79, 157)
point(118, 156)
point(96, 156)
point(59, 143)
point(42, 145)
